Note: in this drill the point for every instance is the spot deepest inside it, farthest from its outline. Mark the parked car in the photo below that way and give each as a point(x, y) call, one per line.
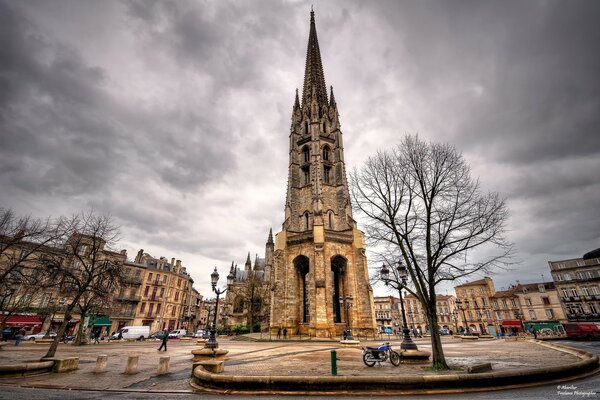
point(132, 332)
point(40, 335)
point(7, 334)
point(177, 333)
point(198, 334)
point(444, 331)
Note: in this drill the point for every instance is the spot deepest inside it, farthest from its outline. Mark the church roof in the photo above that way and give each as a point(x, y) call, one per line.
point(314, 78)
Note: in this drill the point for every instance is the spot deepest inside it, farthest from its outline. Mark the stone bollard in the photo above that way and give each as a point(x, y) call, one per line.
point(163, 365)
point(101, 363)
point(132, 365)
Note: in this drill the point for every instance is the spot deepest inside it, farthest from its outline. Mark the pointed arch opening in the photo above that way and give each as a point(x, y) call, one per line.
point(238, 304)
point(301, 263)
point(305, 154)
point(306, 221)
point(338, 268)
point(330, 220)
point(326, 153)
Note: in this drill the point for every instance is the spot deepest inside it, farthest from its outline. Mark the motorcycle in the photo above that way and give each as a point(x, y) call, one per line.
point(372, 355)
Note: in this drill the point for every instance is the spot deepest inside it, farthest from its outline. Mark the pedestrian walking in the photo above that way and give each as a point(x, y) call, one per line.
point(285, 333)
point(96, 337)
point(279, 333)
point(165, 339)
point(19, 337)
point(533, 332)
point(419, 332)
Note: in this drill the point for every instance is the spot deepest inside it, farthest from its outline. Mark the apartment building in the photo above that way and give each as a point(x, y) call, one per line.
point(578, 284)
point(165, 292)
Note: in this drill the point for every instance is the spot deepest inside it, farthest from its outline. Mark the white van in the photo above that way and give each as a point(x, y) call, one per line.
point(177, 333)
point(133, 332)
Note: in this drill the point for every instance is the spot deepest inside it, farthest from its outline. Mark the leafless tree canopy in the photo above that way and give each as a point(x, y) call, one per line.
point(88, 271)
point(424, 208)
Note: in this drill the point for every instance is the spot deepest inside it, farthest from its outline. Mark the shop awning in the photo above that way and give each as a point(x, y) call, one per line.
point(23, 320)
point(539, 325)
point(102, 321)
point(511, 322)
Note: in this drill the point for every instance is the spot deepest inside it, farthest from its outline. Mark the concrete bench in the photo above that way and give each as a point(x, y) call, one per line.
point(485, 367)
point(213, 366)
point(63, 364)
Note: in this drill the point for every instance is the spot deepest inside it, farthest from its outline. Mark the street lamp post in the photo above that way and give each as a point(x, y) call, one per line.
point(214, 278)
point(347, 306)
point(407, 343)
point(454, 320)
point(466, 331)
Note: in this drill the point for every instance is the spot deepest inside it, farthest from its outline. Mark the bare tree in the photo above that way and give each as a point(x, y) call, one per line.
point(250, 296)
point(88, 270)
point(423, 208)
point(23, 243)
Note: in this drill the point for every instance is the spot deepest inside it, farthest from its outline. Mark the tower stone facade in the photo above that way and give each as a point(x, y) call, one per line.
point(319, 256)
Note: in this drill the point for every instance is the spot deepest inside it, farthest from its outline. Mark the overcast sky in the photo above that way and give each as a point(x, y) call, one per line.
point(174, 117)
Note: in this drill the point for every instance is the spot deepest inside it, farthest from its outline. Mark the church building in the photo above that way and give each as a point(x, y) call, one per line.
point(319, 278)
point(314, 275)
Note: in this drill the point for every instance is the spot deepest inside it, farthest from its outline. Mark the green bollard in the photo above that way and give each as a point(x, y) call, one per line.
point(333, 363)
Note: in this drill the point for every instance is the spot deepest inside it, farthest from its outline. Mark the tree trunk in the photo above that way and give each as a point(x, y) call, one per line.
point(61, 331)
point(80, 339)
point(437, 352)
point(250, 318)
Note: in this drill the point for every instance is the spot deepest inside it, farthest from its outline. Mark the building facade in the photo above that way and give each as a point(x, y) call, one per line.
point(578, 284)
point(164, 293)
point(319, 256)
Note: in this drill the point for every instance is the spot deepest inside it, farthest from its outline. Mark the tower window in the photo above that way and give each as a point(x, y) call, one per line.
point(326, 153)
point(306, 154)
point(306, 172)
point(324, 127)
point(306, 128)
point(306, 221)
point(326, 174)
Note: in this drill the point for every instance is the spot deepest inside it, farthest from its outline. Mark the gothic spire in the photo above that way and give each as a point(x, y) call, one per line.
point(314, 79)
point(331, 98)
point(270, 239)
point(296, 101)
point(248, 264)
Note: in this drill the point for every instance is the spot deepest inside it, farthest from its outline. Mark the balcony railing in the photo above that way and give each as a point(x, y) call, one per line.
point(133, 299)
point(125, 314)
point(132, 280)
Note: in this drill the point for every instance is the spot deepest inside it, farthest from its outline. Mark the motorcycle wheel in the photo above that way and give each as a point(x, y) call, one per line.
point(394, 358)
point(367, 359)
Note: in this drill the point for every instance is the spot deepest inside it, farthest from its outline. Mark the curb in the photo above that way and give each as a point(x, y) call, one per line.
point(359, 385)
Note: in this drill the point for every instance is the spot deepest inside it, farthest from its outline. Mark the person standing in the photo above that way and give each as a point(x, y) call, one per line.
point(285, 333)
point(279, 333)
point(165, 339)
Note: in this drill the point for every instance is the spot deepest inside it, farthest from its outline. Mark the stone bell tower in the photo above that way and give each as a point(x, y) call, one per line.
point(319, 256)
